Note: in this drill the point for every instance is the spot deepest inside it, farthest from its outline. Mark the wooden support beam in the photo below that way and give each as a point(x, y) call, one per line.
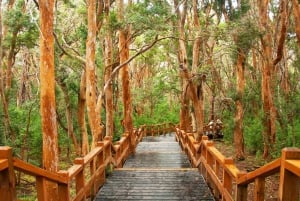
point(7, 176)
point(80, 176)
point(259, 190)
point(289, 185)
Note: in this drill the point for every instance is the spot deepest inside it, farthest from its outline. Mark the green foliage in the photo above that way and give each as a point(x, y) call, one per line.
point(21, 23)
point(236, 14)
point(253, 134)
point(150, 15)
point(114, 23)
point(245, 32)
point(228, 124)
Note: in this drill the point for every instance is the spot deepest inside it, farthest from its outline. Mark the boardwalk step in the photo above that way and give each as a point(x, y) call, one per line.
point(159, 170)
point(155, 185)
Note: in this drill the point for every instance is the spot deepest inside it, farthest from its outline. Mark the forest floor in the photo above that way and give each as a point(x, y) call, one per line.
point(249, 164)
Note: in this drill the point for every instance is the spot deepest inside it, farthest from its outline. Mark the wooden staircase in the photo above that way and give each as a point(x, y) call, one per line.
point(159, 170)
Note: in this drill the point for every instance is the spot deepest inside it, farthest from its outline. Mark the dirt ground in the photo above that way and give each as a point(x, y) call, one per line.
point(249, 164)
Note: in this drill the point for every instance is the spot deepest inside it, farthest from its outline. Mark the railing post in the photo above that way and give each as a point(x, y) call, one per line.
point(80, 176)
point(7, 176)
point(289, 182)
point(259, 191)
point(227, 179)
point(64, 189)
point(241, 190)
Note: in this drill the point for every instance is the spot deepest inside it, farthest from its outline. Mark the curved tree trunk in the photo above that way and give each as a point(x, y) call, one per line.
point(239, 114)
point(182, 59)
point(269, 73)
point(107, 75)
point(124, 42)
point(199, 99)
point(296, 13)
point(188, 85)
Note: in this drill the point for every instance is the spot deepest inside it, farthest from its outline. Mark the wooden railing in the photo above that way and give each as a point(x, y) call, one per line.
point(159, 129)
point(229, 183)
point(81, 181)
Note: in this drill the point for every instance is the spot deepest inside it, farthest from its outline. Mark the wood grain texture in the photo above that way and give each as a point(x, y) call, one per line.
point(159, 170)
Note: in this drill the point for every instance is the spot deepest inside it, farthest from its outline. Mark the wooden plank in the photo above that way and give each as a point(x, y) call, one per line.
point(38, 172)
point(293, 166)
point(74, 170)
point(155, 169)
point(3, 164)
point(217, 154)
point(259, 189)
point(289, 182)
point(163, 178)
point(232, 170)
point(263, 171)
point(7, 176)
point(91, 155)
point(155, 185)
point(241, 193)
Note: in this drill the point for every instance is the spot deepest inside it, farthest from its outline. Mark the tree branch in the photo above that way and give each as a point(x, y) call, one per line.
point(82, 60)
point(142, 50)
point(283, 32)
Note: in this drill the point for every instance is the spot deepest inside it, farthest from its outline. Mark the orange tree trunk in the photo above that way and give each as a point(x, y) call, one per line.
point(48, 107)
point(267, 73)
point(296, 13)
point(182, 59)
point(239, 114)
point(81, 116)
point(124, 55)
point(91, 98)
point(188, 86)
point(108, 71)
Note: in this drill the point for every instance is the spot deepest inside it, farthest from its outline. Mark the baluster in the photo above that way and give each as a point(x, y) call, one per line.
point(92, 191)
point(64, 189)
point(80, 176)
point(227, 179)
point(210, 162)
point(289, 182)
point(241, 190)
point(7, 176)
point(259, 190)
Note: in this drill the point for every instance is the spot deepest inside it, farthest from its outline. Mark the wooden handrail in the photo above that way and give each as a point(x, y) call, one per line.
point(159, 129)
point(88, 172)
point(3, 164)
point(293, 166)
point(37, 172)
point(229, 183)
point(264, 171)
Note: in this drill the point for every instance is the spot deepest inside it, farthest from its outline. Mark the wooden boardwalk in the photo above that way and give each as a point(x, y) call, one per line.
point(158, 171)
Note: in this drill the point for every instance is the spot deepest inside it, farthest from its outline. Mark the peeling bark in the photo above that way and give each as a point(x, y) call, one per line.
point(296, 13)
point(107, 75)
point(81, 116)
point(187, 82)
point(269, 131)
point(239, 114)
point(93, 110)
point(47, 94)
point(124, 43)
